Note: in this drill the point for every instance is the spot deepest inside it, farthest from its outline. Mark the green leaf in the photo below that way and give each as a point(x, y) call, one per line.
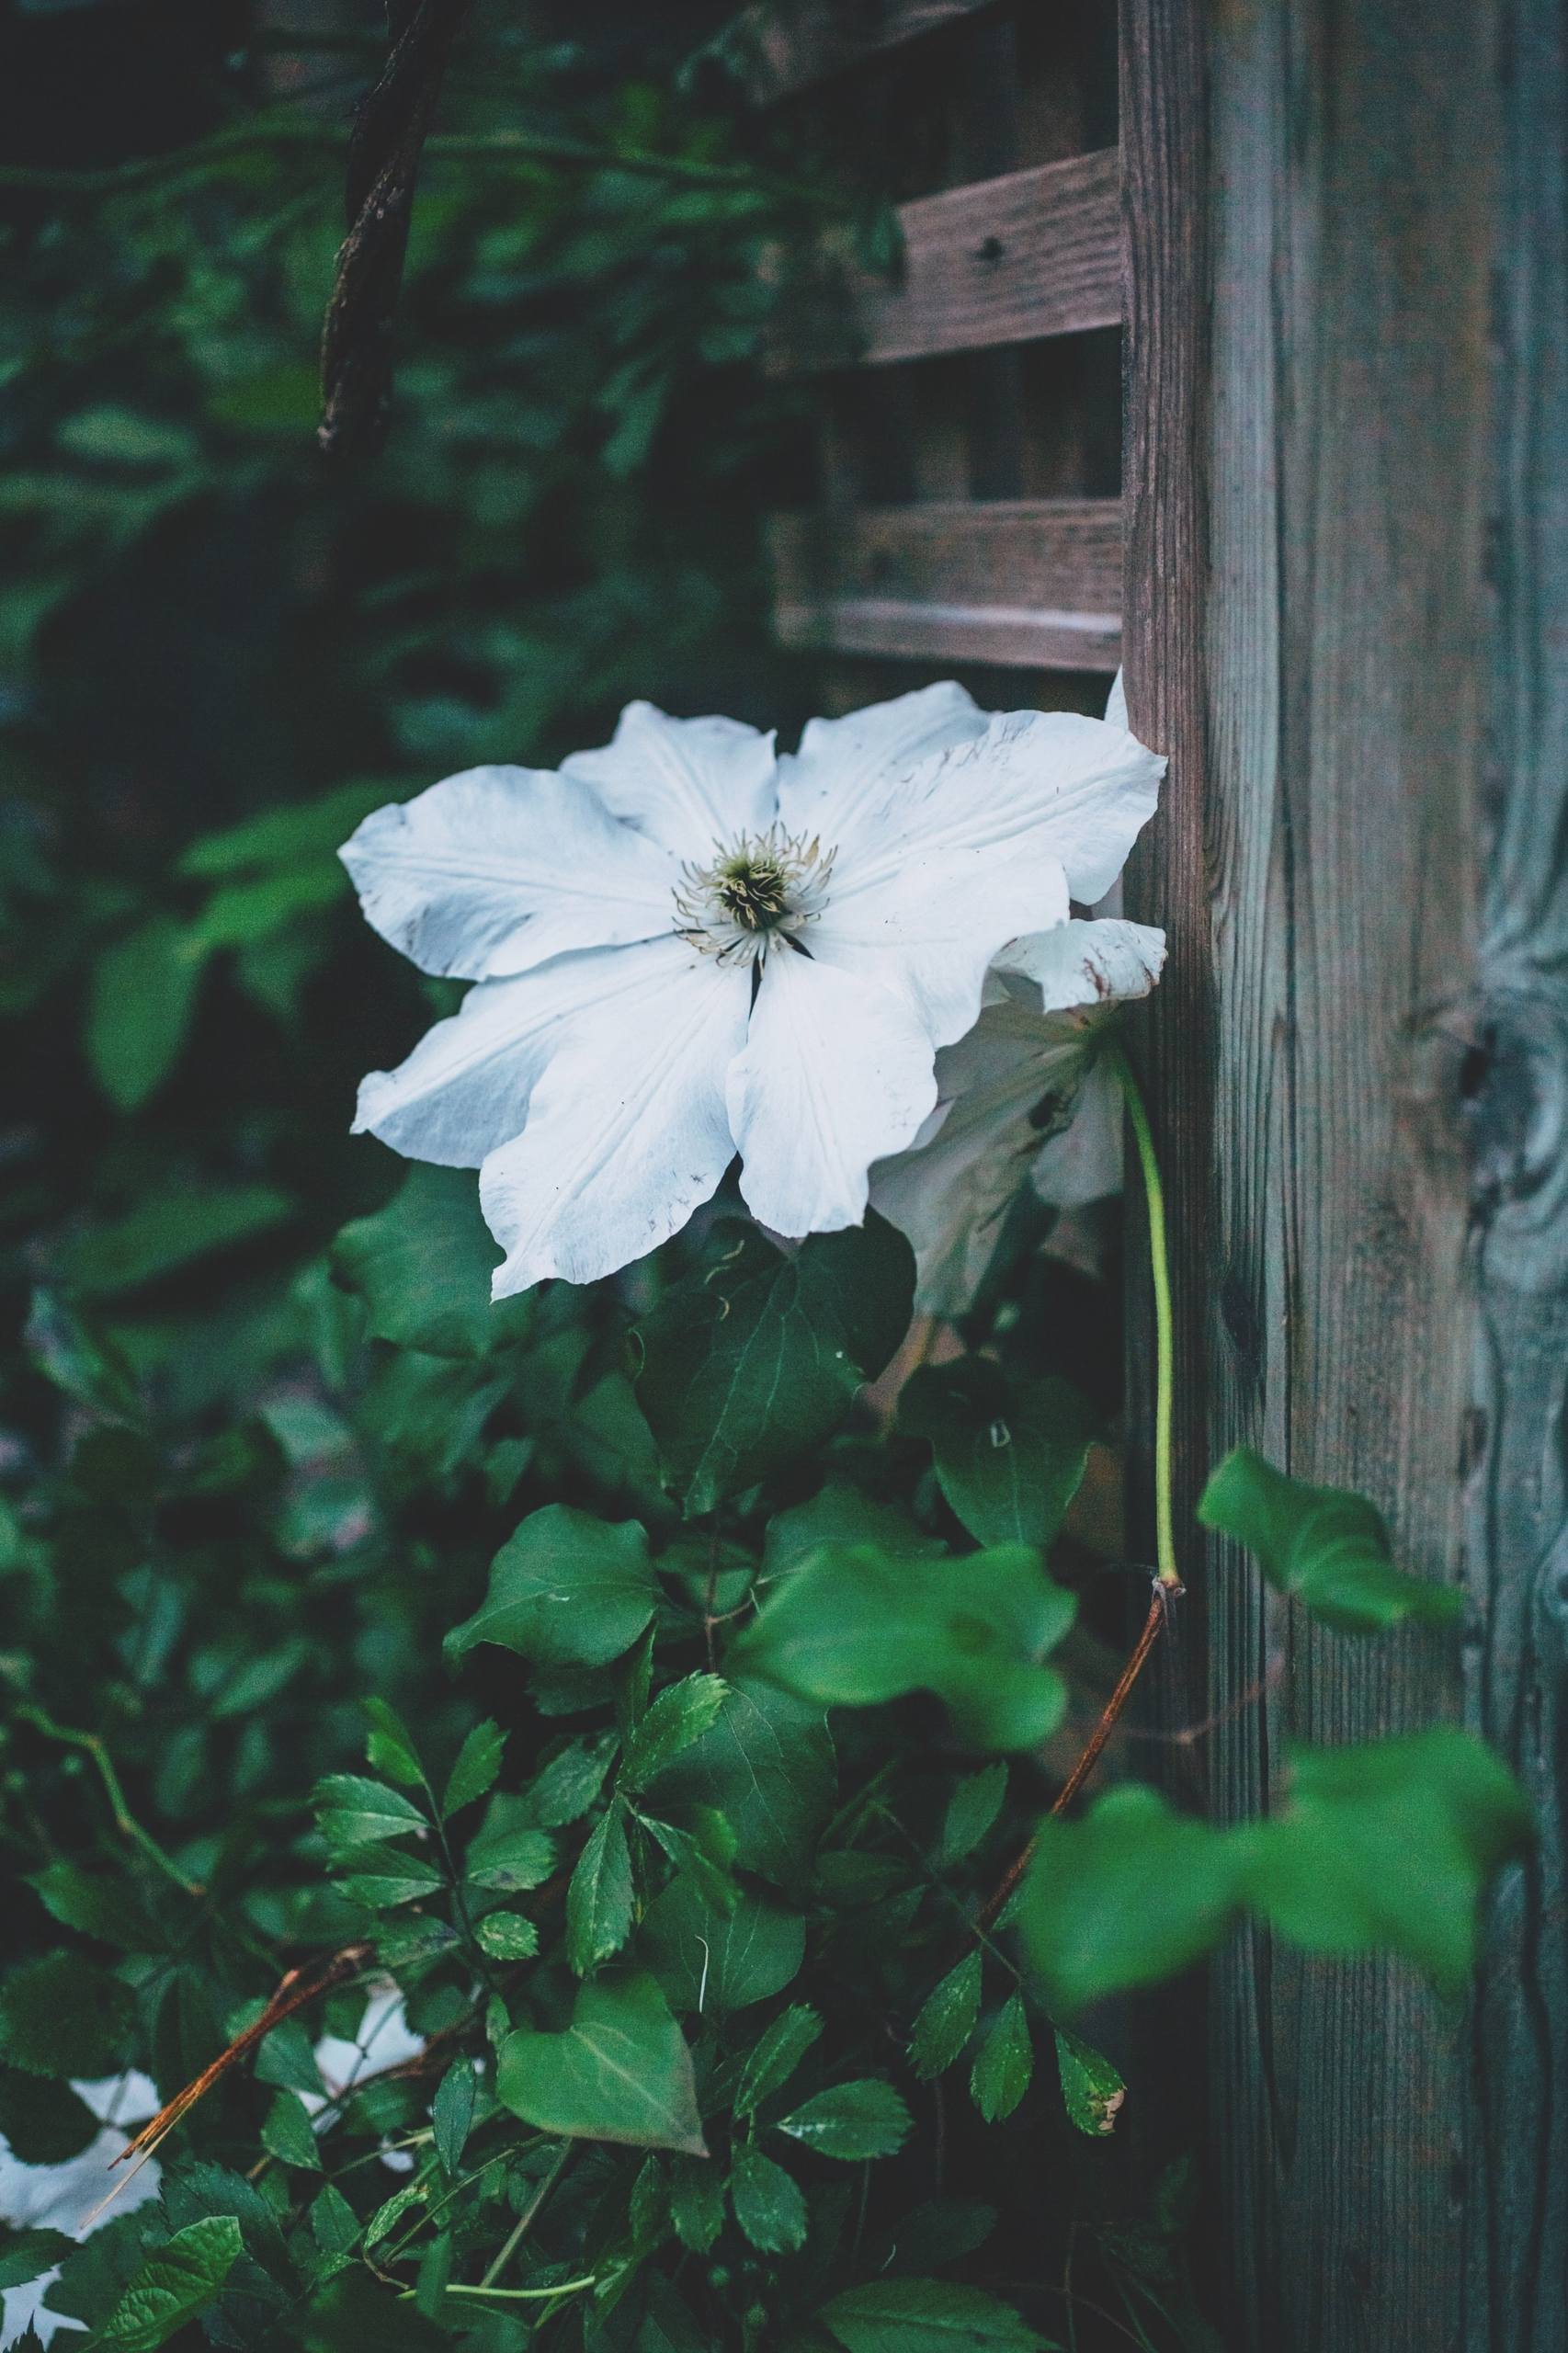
point(143, 991)
point(1008, 1460)
point(288, 837)
point(26, 2253)
point(599, 1898)
point(1385, 1846)
point(62, 2016)
point(926, 2316)
point(774, 2056)
point(840, 1515)
point(563, 1790)
point(1005, 2062)
point(451, 2114)
point(948, 2019)
point(478, 1762)
point(383, 1878)
point(1328, 1549)
point(506, 1854)
point(173, 2285)
point(855, 2120)
point(1092, 2091)
point(752, 1362)
point(568, 1590)
point(681, 1713)
point(44, 2122)
point(854, 1625)
point(423, 1267)
point(697, 2203)
point(713, 1961)
point(768, 2203)
point(287, 2136)
point(620, 2072)
point(389, 1747)
point(354, 1811)
point(97, 1906)
point(168, 1230)
point(767, 1766)
point(506, 1936)
point(972, 1812)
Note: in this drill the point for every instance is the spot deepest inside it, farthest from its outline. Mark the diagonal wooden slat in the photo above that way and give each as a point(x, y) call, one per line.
point(1031, 254)
point(1028, 584)
point(782, 46)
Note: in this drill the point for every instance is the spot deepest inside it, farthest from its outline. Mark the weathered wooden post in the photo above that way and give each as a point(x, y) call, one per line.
point(1345, 614)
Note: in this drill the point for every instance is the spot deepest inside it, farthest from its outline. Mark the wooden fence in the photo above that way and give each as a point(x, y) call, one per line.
point(1331, 542)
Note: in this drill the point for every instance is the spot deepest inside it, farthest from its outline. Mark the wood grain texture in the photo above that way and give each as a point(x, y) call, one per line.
point(1026, 582)
point(784, 46)
point(1351, 205)
point(1516, 2285)
point(1005, 261)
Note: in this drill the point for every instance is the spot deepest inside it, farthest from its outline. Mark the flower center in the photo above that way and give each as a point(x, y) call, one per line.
point(758, 888)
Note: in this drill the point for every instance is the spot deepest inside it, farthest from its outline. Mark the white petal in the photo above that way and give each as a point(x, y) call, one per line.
point(842, 764)
point(950, 1193)
point(626, 1132)
point(686, 782)
point(493, 870)
point(1082, 788)
point(933, 925)
point(838, 1070)
point(465, 1089)
point(1116, 703)
point(1082, 1162)
point(1105, 962)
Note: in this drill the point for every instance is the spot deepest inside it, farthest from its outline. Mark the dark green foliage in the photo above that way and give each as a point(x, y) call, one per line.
point(595, 1673)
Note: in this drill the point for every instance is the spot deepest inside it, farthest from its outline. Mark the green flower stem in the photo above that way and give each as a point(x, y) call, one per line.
point(525, 2220)
point(90, 1746)
point(1165, 1322)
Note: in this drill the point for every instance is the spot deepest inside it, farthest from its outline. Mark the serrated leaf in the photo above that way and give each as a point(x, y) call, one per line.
point(568, 1590)
point(175, 2284)
point(620, 2072)
point(972, 1811)
point(1386, 1846)
point(26, 2253)
point(506, 1854)
point(1003, 2064)
point(1328, 1549)
point(680, 1715)
point(474, 1773)
point(767, 2201)
point(61, 2015)
point(506, 1936)
point(563, 1791)
point(750, 1362)
point(774, 2056)
point(1009, 1459)
point(97, 1906)
point(767, 1766)
point(947, 2017)
point(1092, 2091)
point(451, 2114)
point(697, 2203)
point(599, 1897)
point(855, 2120)
point(389, 1747)
point(423, 1267)
point(354, 1811)
point(381, 2224)
point(853, 1626)
point(383, 1879)
point(926, 2316)
point(287, 2136)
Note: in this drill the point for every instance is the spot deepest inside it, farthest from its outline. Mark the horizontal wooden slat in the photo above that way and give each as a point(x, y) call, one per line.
point(1035, 252)
point(1032, 584)
point(783, 46)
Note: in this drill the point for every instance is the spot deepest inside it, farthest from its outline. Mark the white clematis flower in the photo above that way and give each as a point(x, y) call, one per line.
point(689, 947)
point(1028, 1070)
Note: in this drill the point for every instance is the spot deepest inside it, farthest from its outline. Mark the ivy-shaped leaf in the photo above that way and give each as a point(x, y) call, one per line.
point(1328, 1549)
point(854, 1625)
point(620, 2072)
point(568, 1590)
point(1008, 1458)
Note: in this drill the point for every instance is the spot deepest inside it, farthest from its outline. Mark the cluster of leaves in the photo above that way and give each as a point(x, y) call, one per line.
point(595, 1686)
